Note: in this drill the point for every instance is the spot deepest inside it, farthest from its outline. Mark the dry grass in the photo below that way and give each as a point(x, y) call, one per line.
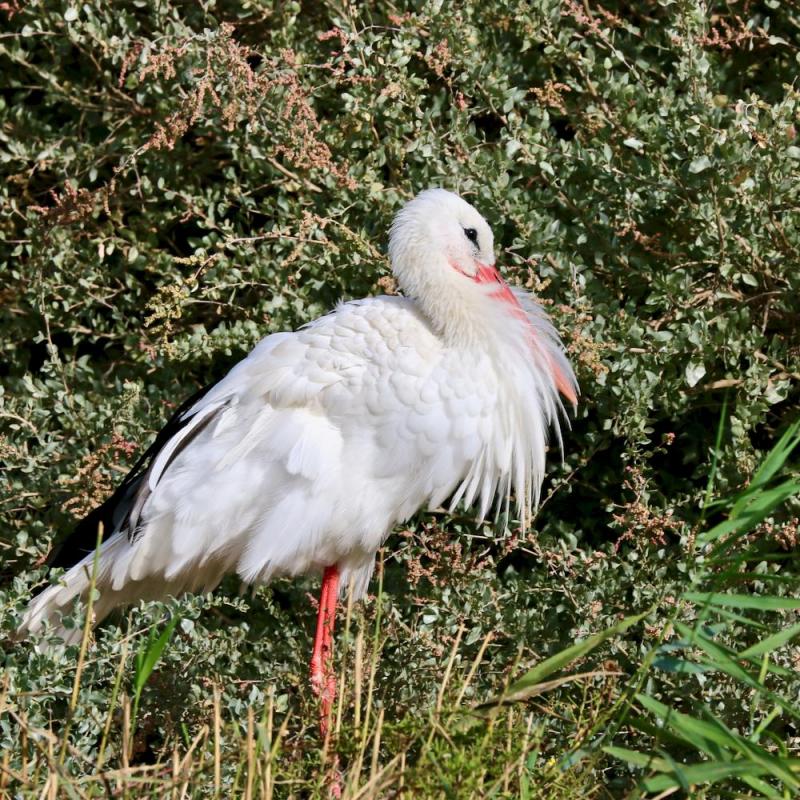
point(266, 753)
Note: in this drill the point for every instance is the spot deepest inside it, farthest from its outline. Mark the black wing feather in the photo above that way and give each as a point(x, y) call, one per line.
point(127, 496)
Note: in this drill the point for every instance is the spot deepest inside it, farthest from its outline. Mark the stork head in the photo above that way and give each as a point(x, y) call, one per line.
point(438, 239)
point(442, 253)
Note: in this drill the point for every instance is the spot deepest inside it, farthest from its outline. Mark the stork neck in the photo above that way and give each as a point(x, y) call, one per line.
point(440, 294)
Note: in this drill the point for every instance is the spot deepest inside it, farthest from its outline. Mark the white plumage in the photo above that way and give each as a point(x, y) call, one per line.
point(320, 441)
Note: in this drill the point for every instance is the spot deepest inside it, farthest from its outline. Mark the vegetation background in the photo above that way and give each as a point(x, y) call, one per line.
point(180, 179)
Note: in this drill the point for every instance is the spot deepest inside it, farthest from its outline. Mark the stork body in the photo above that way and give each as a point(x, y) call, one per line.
point(305, 456)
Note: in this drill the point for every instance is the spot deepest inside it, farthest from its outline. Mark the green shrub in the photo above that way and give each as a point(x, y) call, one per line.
point(181, 179)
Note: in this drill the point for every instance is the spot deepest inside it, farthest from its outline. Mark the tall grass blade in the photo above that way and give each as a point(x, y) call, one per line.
point(769, 467)
point(761, 506)
point(146, 659)
point(718, 612)
point(529, 683)
point(771, 643)
point(644, 760)
point(712, 472)
point(726, 661)
point(708, 772)
point(709, 735)
point(758, 602)
point(702, 736)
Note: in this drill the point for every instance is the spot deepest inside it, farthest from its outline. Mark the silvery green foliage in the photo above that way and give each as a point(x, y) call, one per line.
point(181, 179)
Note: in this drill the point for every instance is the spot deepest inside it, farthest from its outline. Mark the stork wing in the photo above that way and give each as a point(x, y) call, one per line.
point(274, 368)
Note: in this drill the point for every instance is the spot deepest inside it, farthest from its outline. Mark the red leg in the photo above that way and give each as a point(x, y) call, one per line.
point(323, 676)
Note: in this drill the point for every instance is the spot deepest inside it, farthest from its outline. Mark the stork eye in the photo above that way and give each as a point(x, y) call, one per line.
point(472, 235)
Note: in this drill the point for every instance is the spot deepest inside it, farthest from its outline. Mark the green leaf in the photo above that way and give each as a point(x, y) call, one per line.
point(770, 466)
point(694, 372)
point(699, 164)
point(755, 753)
point(703, 736)
point(148, 655)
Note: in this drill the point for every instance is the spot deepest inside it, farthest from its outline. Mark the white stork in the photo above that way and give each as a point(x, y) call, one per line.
point(309, 451)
